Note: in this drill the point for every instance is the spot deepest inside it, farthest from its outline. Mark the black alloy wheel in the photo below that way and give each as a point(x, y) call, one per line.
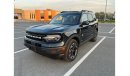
point(72, 51)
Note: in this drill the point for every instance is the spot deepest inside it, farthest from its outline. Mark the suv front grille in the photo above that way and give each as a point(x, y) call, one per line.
point(35, 36)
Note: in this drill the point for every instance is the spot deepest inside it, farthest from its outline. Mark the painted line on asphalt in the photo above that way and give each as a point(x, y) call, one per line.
point(20, 29)
point(110, 37)
point(98, 36)
point(106, 32)
point(72, 69)
point(111, 30)
point(20, 50)
point(20, 32)
point(112, 33)
point(19, 37)
point(106, 36)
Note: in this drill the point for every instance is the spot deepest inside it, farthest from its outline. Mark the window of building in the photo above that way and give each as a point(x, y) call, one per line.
point(50, 17)
point(34, 16)
point(42, 15)
point(30, 16)
point(15, 17)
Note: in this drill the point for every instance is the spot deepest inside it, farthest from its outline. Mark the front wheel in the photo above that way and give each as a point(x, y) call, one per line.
point(71, 50)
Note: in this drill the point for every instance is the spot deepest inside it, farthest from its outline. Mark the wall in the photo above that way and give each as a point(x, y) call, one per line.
point(29, 15)
point(36, 15)
point(18, 13)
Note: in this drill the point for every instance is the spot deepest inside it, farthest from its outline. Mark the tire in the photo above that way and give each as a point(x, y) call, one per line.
point(94, 39)
point(71, 50)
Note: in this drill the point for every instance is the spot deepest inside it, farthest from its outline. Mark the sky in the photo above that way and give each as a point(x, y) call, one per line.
point(63, 5)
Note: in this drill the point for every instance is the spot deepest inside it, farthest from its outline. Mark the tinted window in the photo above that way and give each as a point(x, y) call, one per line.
point(94, 15)
point(84, 17)
point(66, 19)
point(90, 17)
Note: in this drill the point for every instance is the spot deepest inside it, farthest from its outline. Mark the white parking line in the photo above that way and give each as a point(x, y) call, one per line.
point(111, 30)
point(106, 36)
point(71, 70)
point(18, 29)
point(112, 33)
point(20, 50)
point(20, 32)
point(110, 37)
point(106, 32)
point(19, 37)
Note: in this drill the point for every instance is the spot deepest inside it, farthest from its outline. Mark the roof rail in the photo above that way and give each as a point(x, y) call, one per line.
point(86, 11)
point(69, 11)
point(76, 11)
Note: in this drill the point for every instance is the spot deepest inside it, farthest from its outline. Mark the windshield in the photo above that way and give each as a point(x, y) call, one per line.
point(66, 19)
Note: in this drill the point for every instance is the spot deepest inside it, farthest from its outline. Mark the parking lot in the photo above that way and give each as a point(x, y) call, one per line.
point(94, 58)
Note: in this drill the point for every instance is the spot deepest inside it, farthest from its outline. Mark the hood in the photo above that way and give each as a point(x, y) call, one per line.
point(49, 28)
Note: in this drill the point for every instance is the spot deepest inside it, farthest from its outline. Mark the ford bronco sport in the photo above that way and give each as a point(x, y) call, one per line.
point(63, 34)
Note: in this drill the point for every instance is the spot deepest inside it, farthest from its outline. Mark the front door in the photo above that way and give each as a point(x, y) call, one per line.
point(85, 29)
point(92, 21)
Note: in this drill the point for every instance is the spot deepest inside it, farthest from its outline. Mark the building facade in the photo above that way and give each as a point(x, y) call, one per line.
point(36, 15)
point(18, 14)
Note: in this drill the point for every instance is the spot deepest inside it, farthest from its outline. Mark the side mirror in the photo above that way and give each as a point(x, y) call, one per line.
point(85, 23)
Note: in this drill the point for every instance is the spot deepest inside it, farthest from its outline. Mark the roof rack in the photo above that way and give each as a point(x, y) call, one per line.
point(69, 11)
point(76, 11)
point(86, 11)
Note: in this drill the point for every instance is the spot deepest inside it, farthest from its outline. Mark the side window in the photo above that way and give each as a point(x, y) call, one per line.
point(84, 17)
point(94, 16)
point(90, 17)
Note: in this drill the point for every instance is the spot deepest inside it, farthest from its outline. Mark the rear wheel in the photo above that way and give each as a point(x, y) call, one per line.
point(94, 39)
point(71, 50)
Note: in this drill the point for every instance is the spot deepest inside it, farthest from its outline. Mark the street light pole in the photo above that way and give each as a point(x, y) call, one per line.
point(105, 11)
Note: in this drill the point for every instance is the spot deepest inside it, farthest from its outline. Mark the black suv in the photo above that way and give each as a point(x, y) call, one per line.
point(63, 34)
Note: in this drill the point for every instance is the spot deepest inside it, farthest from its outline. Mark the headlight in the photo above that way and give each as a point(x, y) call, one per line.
point(52, 38)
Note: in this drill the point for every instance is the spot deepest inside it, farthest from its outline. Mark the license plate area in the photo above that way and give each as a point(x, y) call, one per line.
point(33, 45)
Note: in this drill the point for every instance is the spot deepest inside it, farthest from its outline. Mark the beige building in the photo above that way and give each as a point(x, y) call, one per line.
point(29, 15)
point(18, 14)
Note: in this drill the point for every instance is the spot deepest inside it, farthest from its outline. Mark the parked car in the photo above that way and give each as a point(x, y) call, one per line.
point(63, 34)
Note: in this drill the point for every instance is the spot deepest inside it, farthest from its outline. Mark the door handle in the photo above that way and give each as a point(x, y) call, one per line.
point(85, 25)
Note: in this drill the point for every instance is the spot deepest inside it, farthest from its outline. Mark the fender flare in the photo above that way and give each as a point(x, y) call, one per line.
point(73, 36)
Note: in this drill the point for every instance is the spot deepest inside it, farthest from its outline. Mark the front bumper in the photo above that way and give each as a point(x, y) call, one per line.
point(43, 48)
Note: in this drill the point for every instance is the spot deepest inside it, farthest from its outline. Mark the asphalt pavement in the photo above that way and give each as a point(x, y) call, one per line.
point(94, 58)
